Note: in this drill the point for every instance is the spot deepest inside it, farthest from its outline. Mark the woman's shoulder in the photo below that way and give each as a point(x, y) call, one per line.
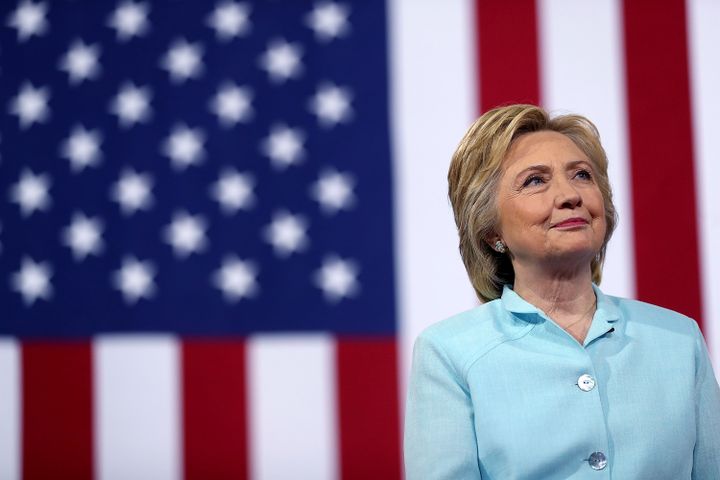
point(643, 314)
point(471, 333)
point(475, 320)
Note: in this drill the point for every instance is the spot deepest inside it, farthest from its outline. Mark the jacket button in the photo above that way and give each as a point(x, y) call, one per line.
point(586, 383)
point(597, 460)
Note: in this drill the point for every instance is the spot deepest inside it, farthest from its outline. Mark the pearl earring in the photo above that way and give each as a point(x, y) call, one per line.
point(500, 246)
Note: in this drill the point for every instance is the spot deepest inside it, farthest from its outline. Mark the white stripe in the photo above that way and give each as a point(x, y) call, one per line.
point(9, 410)
point(137, 407)
point(433, 104)
point(292, 408)
point(704, 38)
point(583, 72)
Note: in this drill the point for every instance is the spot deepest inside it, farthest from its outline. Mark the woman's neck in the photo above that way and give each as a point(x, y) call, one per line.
point(567, 297)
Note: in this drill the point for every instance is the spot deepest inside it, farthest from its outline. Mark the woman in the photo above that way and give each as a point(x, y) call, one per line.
point(550, 378)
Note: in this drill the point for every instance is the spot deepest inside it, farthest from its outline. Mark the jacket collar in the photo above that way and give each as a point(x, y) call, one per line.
point(606, 310)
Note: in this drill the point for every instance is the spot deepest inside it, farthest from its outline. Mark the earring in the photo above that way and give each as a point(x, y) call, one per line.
point(500, 246)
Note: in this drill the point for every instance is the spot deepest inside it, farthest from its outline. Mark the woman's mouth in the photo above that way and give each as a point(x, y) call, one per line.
point(571, 222)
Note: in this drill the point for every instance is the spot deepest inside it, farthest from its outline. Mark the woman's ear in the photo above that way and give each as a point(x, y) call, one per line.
point(492, 239)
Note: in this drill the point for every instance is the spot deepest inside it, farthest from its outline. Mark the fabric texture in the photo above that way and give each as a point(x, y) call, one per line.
point(495, 393)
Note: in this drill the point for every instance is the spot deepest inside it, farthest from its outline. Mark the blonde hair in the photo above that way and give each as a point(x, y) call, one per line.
point(475, 173)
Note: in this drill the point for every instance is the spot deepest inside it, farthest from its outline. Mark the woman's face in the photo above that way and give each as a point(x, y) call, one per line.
point(551, 209)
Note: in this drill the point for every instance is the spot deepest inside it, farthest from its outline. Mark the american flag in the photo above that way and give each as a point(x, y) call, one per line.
point(202, 174)
point(222, 224)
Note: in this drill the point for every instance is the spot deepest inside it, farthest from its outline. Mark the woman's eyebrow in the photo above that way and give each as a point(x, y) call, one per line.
point(545, 168)
point(575, 163)
point(533, 168)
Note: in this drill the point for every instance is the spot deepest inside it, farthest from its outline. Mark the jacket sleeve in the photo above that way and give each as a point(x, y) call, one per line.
point(706, 456)
point(440, 439)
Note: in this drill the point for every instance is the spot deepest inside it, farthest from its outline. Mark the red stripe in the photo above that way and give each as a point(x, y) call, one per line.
point(368, 409)
point(663, 179)
point(507, 49)
point(214, 409)
point(57, 410)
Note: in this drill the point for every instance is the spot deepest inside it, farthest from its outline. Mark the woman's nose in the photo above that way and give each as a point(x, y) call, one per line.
point(566, 195)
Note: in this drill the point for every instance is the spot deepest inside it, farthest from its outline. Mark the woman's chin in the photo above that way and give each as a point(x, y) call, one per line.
point(572, 255)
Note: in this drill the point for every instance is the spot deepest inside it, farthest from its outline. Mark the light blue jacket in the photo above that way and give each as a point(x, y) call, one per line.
point(502, 392)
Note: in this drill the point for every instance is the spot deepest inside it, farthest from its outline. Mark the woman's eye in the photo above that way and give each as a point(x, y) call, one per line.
point(533, 180)
point(584, 174)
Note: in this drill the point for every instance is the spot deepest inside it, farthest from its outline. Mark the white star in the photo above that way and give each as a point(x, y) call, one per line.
point(331, 105)
point(184, 146)
point(232, 104)
point(281, 60)
point(233, 191)
point(236, 278)
point(186, 234)
point(135, 279)
point(31, 192)
point(32, 281)
point(337, 278)
point(83, 236)
point(81, 62)
point(286, 233)
point(132, 104)
point(328, 20)
point(284, 146)
point(183, 61)
point(229, 19)
point(82, 148)
point(130, 20)
point(334, 191)
point(133, 191)
point(31, 105)
point(29, 19)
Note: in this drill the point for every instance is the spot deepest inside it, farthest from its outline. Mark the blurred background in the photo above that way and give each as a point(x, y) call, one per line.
point(223, 224)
